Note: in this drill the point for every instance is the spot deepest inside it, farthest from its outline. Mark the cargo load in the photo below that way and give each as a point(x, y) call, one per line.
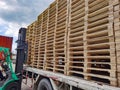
point(78, 38)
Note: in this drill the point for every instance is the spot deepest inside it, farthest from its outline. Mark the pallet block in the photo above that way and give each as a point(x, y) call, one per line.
point(118, 74)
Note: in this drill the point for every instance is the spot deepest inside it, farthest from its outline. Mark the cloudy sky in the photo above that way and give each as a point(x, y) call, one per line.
point(19, 13)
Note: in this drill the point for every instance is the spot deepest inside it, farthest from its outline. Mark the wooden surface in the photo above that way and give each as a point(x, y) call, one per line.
point(78, 38)
point(117, 38)
point(30, 38)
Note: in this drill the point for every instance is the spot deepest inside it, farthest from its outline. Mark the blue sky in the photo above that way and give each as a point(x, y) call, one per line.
point(19, 13)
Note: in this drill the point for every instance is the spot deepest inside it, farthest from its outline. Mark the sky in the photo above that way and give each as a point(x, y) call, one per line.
point(15, 14)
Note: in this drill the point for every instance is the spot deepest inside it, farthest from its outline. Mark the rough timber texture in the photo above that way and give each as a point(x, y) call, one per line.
point(117, 37)
point(42, 54)
point(30, 37)
point(38, 42)
point(60, 37)
point(79, 38)
point(33, 46)
point(76, 38)
point(101, 65)
point(50, 53)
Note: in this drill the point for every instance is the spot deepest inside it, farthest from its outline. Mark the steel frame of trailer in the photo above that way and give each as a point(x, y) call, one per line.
point(72, 81)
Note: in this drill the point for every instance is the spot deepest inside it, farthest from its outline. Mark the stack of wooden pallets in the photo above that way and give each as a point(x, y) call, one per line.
point(38, 39)
point(79, 38)
point(60, 37)
point(30, 38)
point(43, 38)
point(100, 56)
point(34, 47)
point(76, 38)
point(50, 60)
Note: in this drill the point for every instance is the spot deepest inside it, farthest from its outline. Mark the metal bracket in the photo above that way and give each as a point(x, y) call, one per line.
point(55, 87)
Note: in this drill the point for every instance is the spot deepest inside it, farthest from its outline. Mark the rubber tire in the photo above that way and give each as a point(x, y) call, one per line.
point(44, 84)
point(12, 86)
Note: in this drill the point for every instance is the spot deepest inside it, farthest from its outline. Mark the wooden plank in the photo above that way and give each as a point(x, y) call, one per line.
point(99, 11)
point(101, 4)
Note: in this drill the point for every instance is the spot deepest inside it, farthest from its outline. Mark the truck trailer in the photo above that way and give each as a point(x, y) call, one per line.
point(75, 45)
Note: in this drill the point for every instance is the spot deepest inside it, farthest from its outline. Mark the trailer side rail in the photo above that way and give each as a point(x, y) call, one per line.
point(73, 81)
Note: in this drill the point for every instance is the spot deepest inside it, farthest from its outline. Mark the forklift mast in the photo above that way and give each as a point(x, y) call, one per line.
point(21, 54)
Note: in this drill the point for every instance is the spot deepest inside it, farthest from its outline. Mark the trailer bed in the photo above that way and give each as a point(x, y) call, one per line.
point(73, 81)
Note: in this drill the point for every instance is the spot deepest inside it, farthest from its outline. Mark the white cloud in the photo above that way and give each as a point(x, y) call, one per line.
point(15, 14)
point(13, 29)
point(22, 10)
point(2, 21)
point(4, 6)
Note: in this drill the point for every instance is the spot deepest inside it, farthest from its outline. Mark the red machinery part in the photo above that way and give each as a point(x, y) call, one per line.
point(2, 55)
point(6, 42)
